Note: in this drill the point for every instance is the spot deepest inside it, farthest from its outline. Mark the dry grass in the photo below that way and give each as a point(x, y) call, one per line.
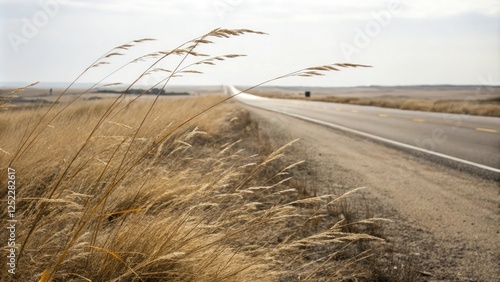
point(127, 189)
point(196, 208)
point(474, 107)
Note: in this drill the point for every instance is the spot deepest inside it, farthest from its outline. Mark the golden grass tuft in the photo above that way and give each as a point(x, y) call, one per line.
point(198, 208)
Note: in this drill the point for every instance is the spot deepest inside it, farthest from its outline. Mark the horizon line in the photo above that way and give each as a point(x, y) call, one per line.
point(5, 84)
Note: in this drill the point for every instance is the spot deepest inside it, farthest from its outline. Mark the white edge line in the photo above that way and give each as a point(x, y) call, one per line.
point(492, 169)
point(399, 144)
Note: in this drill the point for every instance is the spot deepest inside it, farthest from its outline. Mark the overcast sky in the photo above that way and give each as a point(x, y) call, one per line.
point(408, 41)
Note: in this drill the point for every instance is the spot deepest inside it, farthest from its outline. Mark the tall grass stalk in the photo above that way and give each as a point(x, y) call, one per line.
point(120, 191)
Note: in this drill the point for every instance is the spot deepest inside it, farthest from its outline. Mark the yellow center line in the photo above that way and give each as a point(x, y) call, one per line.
point(418, 120)
point(382, 115)
point(354, 111)
point(486, 130)
point(338, 109)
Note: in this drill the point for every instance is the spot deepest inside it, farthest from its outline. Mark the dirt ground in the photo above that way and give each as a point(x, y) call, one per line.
point(446, 222)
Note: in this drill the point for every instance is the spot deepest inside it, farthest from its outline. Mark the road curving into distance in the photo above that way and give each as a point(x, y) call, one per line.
point(467, 141)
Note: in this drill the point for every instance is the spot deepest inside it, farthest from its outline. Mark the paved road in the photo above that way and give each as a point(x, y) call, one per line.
point(469, 140)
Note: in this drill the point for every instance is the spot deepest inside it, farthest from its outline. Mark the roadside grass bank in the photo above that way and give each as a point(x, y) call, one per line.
point(217, 200)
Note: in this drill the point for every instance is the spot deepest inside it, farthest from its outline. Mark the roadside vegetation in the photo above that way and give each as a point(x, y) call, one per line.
point(170, 189)
point(488, 107)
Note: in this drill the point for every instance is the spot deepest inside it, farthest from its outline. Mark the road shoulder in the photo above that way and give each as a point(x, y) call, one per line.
point(445, 220)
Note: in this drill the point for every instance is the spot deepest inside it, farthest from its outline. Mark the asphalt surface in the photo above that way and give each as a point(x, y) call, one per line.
point(469, 140)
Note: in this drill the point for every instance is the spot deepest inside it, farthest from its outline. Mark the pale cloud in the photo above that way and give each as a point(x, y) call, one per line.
point(357, 10)
point(303, 33)
point(446, 8)
point(134, 7)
